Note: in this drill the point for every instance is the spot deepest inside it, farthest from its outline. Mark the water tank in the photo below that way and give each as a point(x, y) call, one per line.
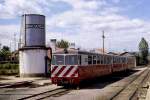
point(33, 30)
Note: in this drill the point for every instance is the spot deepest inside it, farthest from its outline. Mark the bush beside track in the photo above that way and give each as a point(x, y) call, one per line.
point(9, 69)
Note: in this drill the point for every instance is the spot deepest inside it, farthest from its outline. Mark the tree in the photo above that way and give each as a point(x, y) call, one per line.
point(62, 44)
point(143, 51)
point(5, 48)
point(5, 53)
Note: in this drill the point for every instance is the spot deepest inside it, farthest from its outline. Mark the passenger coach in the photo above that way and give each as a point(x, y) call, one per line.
point(72, 67)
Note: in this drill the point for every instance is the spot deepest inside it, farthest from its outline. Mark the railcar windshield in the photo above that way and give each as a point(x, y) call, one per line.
point(71, 59)
point(58, 60)
point(65, 60)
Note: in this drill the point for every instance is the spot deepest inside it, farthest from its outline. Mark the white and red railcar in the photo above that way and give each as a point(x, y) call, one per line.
point(74, 67)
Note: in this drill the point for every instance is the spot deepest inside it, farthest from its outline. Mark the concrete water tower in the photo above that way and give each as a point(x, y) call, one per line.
point(32, 51)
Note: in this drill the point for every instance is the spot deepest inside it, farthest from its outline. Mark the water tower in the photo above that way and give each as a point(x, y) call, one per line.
point(32, 52)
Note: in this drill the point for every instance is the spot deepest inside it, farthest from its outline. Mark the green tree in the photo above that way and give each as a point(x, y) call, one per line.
point(5, 48)
point(62, 44)
point(143, 51)
point(5, 53)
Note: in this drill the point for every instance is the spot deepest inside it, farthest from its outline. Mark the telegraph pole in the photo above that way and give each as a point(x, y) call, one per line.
point(14, 41)
point(0, 46)
point(103, 36)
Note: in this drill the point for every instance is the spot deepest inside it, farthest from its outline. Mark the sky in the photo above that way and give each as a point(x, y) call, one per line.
point(125, 22)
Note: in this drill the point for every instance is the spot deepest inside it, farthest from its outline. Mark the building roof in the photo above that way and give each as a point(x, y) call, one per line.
point(112, 53)
point(128, 54)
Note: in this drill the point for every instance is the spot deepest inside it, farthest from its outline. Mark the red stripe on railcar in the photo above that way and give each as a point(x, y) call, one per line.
point(67, 72)
point(54, 68)
point(59, 72)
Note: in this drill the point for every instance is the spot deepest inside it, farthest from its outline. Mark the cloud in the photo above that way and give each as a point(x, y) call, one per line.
point(81, 26)
point(7, 34)
point(82, 23)
point(11, 8)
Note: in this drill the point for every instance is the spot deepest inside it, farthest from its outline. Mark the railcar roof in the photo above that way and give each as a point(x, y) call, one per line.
point(72, 52)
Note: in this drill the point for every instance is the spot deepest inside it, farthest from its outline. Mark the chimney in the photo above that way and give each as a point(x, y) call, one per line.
point(53, 44)
point(72, 46)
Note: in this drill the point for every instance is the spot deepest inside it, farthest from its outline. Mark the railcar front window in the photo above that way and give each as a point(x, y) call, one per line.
point(58, 60)
point(71, 59)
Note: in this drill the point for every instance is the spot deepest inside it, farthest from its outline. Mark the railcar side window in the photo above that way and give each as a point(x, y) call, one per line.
point(94, 59)
point(102, 59)
point(122, 60)
point(114, 59)
point(105, 59)
point(89, 59)
point(98, 59)
point(118, 59)
point(71, 59)
point(58, 60)
point(109, 60)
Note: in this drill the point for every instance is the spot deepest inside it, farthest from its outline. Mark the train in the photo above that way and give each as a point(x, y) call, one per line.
point(74, 66)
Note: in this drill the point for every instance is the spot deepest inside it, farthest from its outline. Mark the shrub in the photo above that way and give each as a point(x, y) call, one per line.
point(9, 69)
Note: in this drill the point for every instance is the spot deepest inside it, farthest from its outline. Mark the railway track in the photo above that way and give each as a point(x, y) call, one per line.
point(16, 84)
point(56, 92)
point(129, 91)
point(143, 88)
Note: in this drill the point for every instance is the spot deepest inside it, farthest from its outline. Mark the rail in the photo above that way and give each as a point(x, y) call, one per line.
point(129, 91)
point(46, 94)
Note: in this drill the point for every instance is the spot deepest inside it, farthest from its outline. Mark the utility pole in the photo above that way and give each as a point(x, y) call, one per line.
point(103, 36)
point(14, 41)
point(10, 46)
point(0, 46)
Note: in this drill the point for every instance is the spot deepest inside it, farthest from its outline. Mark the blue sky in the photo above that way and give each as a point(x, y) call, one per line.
point(82, 21)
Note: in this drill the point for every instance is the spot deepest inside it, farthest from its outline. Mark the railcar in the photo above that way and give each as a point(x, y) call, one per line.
point(75, 66)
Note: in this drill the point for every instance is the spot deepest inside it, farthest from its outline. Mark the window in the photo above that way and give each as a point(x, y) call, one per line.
point(120, 60)
point(105, 59)
point(58, 60)
point(109, 60)
point(102, 59)
point(94, 59)
point(89, 59)
point(71, 59)
point(124, 60)
point(98, 59)
point(114, 59)
point(117, 60)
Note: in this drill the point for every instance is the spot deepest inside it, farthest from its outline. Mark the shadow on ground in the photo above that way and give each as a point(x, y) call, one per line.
point(101, 82)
